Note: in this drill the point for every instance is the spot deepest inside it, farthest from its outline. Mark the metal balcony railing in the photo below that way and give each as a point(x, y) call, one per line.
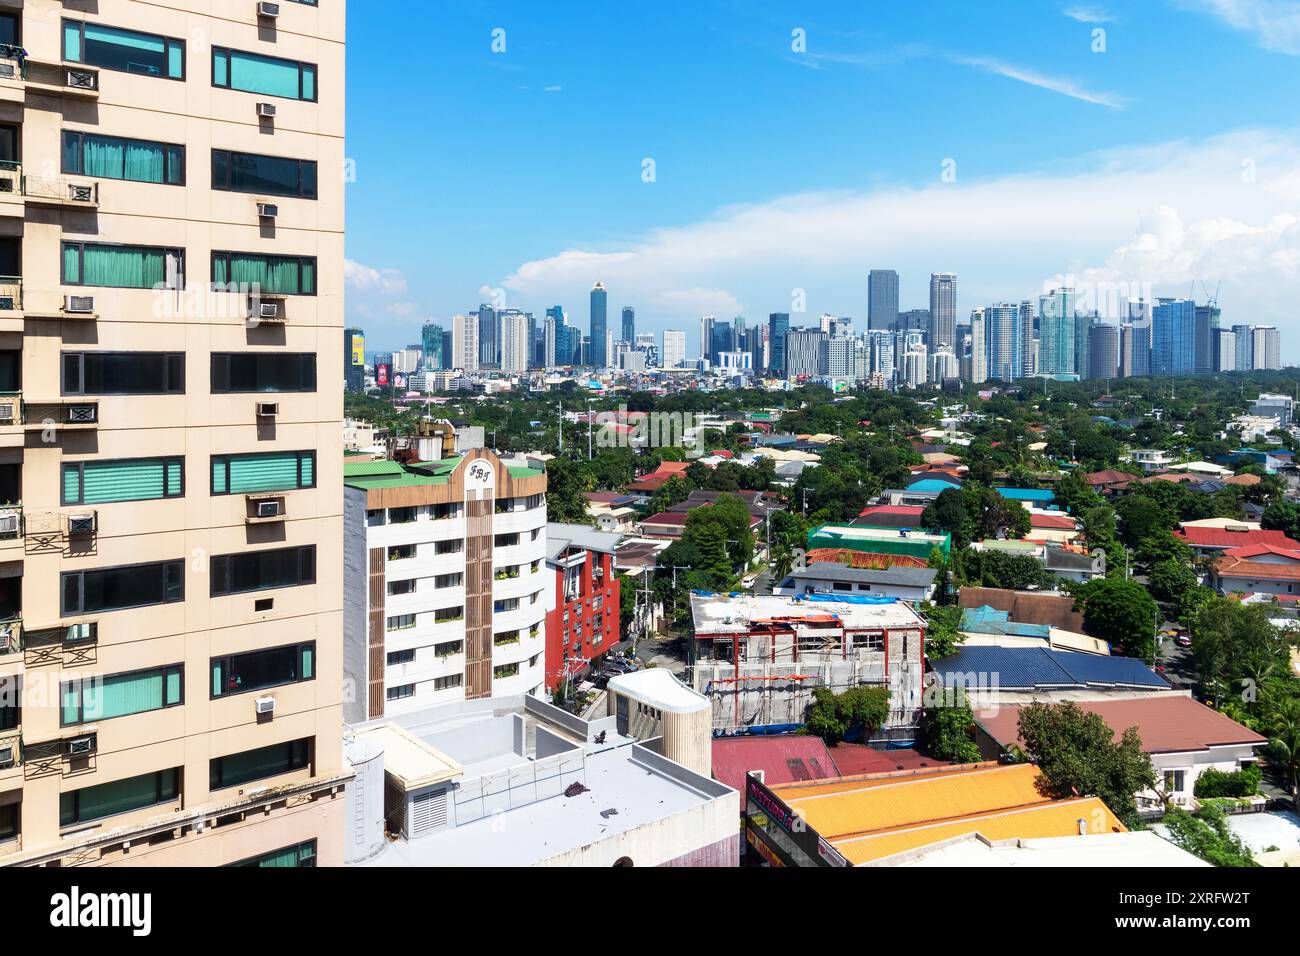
point(11, 749)
point(11, 293)
point(11, 177)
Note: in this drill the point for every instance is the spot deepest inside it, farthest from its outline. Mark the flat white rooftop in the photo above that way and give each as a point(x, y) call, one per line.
point(1140, 848)
point(411, 761)
point(657, 687)
point(728, 614)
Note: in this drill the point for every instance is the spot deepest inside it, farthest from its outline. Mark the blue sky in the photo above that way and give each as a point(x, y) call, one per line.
point(1168, 160)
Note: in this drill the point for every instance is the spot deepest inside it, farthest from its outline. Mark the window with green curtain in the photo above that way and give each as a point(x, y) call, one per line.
point(112, 157)
point(115, 267)
point(258, 764)
point(120, 796)
point(121, 695)
point(302, 855)
point(276, 275)
point(106, 482)
point(274, 471)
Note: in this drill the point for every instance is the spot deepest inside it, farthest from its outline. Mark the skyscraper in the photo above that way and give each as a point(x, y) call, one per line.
point(1266, 348)
point(489, 337)
point(1028, 341)
point(674, 348)
point(177, 570)
point(629, 324)
point(1207, 335)
point(943, 309)
point(882, 299)
point(1057, 325)
point(707, 323)
point(805, 353)
point(1103, 351)
point(465, 347)
point(1173, 337)
point(599, 326)
point(1245, 348)
point(1003, 333)
point(431, 344)
point(514, 341)
point(354, 359)
point(1225, 350)
point(778, 326)
point(979, 347)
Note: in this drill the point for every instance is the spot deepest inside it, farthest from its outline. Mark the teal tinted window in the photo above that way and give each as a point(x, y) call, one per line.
point(276, 275)
point(137, 479)
point(120, 796)
point(258, 764)
point(300, 856)
point(121, 267)
point(274, 471)
point(270, 76)
point(121, 695)
point(126, 51)
point(110, 157)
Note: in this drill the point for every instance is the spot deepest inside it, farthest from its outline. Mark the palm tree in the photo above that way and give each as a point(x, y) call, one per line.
point(1284, 734)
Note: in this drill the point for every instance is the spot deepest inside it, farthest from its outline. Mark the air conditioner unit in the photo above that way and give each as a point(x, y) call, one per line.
point(268, 409)
point(81, 746)
point(82, 80)
point(264, 705)
point(268, 210)
point(79, 304)
point(8, 525)
point(7, 756)
point(81, 524)
point(7, 302)
point(265, 509)
point(7, 71)
point(268, 310)
point(80, 633)
point(269, 10)
point(266, 110)
point(82, 414)
point(81, 192)
point(8, 413)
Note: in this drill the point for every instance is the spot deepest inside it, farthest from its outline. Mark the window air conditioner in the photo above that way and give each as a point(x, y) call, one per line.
point(266, 509)
point(81, 746)
point(268, 210)
point(268, 10)
point(8, 525)
point(264, 705)
point(81, 524)
point(6, 756)
point(8, 412)
point(266, 110)
point(81, 192)
point(82, 414)
point(80, 304)
point(268, 409)
point(82, 80)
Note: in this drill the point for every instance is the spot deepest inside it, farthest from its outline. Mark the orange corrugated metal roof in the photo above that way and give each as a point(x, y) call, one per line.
point(871, 805)
point(1053, 819)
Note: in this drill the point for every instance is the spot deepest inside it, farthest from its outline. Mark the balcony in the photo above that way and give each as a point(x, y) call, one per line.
point(60, 414)
point(11, 419)
point(11, 753)
point(43, 76)
point(67, 645)
point(59, 191)
point(11, 637)
point(11, 287)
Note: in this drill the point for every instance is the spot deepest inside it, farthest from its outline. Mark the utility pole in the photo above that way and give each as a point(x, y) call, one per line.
point(589, 430)
point(561, 428)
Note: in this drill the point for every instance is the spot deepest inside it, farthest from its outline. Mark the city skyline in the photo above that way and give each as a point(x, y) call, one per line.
point(740, 230)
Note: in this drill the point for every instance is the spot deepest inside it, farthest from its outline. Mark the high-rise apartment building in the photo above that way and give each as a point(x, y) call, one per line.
point(1003, 333)
point(489, 337)
point(1225, 350)
point(882, 300)
point(674, 348)
point(943, 310)
point(599, 326)
point(514, 341)
point(1245, 360)
point(1265, 348)
point(1028, 341)
point(1206, 336)
point(977, 370)
point(171, 600)
point(465, 350)
point(805, 353)
point(445, 588)
point(629, 324)
point(1057, 325)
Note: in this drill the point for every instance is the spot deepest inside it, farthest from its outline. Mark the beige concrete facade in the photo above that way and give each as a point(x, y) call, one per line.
point(201, 826)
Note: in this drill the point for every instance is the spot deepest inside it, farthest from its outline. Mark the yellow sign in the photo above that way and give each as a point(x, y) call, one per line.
point(358, 350)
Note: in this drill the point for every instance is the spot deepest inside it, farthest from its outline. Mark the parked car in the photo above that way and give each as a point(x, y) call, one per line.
point(1183, 640)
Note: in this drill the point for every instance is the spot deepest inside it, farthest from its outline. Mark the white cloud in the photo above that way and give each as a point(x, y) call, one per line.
point(1088, 14)
point(1034, 78)
point(363, 278)
point(1275, 24)
point(1163, 216)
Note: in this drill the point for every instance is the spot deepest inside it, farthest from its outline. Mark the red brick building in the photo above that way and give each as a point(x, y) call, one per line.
point(583, 601)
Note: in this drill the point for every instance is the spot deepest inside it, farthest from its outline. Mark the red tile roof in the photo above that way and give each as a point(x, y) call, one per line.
point(854, 759)
point(666, 518)
point(910, 511)
point(1228, 567)
point(724, 453)
point(1167, 723)
point(1108, 477)
point(783, 759)
point(1063, 522)
point(671, 467)
point(1223, 538)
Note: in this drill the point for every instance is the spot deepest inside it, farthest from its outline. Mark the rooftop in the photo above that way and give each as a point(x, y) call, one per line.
point(657, 687)
point(1167, 723)
point(561, 537)
point(738, 613)
point(1143, 848)
point(900, 576)
point(1029, 668)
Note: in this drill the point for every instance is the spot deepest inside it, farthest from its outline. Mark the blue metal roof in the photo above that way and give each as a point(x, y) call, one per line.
point(1032, 668)
point(1027, 494)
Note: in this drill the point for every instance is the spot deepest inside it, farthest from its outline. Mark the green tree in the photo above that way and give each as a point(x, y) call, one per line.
point(1283, 725)
point(1234, 645)
point(566, 481)
point(1077, 754)
point(942, 630)
point(1119, 611)
point(947, 734)
point(833, 716)
point(1170, 580)
point(1282, 516)
point(1206, 834)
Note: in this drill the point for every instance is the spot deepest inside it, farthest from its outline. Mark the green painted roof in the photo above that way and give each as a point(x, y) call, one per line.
point(391, 474)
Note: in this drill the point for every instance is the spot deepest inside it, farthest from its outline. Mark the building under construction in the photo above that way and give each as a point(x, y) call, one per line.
point(758, 658)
